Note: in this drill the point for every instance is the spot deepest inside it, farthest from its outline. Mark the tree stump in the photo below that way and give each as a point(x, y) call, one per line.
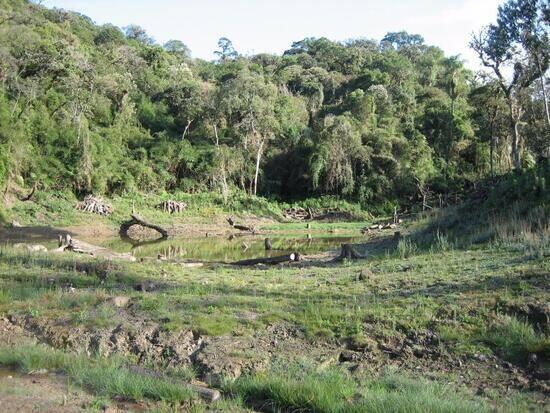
point(350, 253)
point(397, 235)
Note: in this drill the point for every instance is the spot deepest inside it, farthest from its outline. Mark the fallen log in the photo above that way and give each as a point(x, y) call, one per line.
point(137, 220)
point(293, 257)
point(381, 226)
point(70, 244)
point(349, 252)
point(240, 227)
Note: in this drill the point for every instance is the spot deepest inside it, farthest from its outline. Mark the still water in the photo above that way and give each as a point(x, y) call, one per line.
point(224, 249)
point(209, 249)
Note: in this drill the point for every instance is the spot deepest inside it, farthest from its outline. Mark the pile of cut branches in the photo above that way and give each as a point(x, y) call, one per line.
point(298, 213)
point(172, 207)
point(94, 205)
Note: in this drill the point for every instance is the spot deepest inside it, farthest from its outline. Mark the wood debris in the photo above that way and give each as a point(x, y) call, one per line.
point(94, 205)
point(172, 207)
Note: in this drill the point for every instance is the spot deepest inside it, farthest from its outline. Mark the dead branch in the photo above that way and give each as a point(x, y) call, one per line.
point(293, 257)
point(136, 220)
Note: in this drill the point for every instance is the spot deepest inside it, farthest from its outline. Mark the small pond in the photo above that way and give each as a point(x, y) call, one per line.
point(211, 248)
point(224, 249)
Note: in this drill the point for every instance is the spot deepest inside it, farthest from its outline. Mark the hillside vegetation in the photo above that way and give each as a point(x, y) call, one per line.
point(89, 108)
point(362, 226)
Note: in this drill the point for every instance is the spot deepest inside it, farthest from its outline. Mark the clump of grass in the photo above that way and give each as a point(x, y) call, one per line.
point(105, 377)
point(441, 243)
point(515, 339)
point(406, 248)
point(328, 318)
point(530, 229)
point(295, 388)
point(301, 388)
point(216, 324)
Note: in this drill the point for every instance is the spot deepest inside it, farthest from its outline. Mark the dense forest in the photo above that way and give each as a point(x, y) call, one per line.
point(98, 109)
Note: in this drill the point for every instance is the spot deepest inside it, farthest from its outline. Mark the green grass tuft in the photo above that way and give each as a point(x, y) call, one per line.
point(105, 377)
point(515, 339)
point(301, 388)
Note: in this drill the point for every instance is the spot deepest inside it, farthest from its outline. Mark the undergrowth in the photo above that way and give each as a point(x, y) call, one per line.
point(106, 377)
point(302, 388)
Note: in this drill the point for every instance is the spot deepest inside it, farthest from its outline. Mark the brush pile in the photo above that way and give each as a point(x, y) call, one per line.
point(298, 214)
point(94, 205)
point(172, 207)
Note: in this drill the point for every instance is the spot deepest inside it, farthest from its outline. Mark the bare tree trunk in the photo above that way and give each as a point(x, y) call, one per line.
point(186, 128)
point(544, 96)
point(225, 188)
point(516, 159)
point(515, 115)
point(494, 141)
point(258, 158)
point(216, 135)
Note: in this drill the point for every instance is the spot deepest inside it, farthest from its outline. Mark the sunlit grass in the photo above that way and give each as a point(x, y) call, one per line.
point(302, 388)
point(102, 376)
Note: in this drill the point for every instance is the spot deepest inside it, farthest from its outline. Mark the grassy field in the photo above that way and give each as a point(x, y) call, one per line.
point(56, 209)
point(452, 316)
point(467, 321)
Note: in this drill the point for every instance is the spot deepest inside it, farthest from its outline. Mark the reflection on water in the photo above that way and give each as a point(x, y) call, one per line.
point(223, 249)
point(213, 249)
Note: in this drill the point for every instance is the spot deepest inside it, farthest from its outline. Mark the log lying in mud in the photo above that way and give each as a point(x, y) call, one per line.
point(381, 226)
point(247, 228)
point(68, 243)
point(293, 257)
point(349, 252)
point(137, 220)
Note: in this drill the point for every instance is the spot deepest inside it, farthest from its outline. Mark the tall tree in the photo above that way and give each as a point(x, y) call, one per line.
point(526, 24)
point(226, 50)
point(500, 49)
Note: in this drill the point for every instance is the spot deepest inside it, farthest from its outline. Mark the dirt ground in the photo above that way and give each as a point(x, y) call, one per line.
point(43, 392)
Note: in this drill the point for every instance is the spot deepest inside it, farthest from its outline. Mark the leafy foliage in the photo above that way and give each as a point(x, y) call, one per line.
point(97, 109)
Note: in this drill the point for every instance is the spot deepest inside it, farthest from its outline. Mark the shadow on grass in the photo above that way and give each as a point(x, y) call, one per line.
point(32, 234)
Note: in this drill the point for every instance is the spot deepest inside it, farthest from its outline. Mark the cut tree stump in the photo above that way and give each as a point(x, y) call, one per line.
point(137, 220)
point(349, 252)
point(293, 257)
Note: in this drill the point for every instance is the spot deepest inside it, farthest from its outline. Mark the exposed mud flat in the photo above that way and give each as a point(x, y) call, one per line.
point(229, 357)
point(213, 358)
